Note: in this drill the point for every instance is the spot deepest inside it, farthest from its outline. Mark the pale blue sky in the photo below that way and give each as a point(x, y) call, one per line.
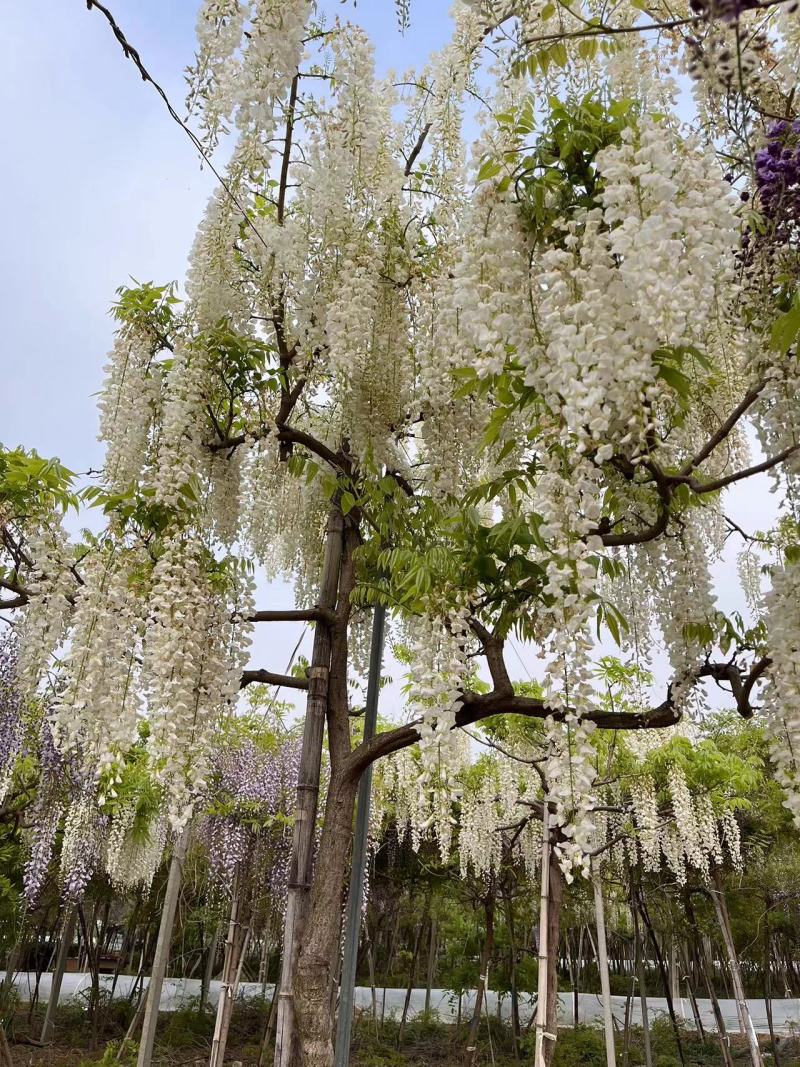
point(99, 184)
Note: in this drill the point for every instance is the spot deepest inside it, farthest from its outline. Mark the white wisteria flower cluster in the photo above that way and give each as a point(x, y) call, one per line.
point(782, 697)
point(688, 833)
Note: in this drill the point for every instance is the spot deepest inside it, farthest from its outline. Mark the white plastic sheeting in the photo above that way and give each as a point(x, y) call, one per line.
point(178, 992)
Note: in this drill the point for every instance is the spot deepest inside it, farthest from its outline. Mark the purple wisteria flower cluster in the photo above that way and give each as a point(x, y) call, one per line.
point(726, 10)
point(42, 841)
point(251, 796)
point(777, 167)
point(62, 793)
point(45, 816)
point(84, 841)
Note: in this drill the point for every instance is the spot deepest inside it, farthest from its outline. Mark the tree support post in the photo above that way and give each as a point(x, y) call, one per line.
point(544, 902)
point(602, 963)
point(344, 1021)
point(64, 945)
point(300, 871)
point(161, 958)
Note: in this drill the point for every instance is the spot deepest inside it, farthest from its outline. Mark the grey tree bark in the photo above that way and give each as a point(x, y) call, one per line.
point(300, 871)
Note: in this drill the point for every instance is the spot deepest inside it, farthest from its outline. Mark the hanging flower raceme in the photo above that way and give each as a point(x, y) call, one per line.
point(195, 649)
point(486, 814)
point(248, 53)
point(12, 708)
point(85, 835)
point(96, 713)
point(569, 507)
point(181, 453)
point(128, 405)
point(251, 795)
point(220, 25)
point(490, 283)
point(777, 173)
point(439, 666)
point(782, 697)
point(644, 804)
point(641, 273)
point(45, 815)
point(688, 832)
point(52, 585)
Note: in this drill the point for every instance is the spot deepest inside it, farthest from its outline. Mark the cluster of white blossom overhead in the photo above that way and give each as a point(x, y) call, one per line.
point(133, 854)
point(642, 272)
point(195, 650)
point(353, 248)
point(778, 422)
point(496, 819)
point(782, 697)
point(165, 640)
point(439, 667)
point(248, 53)
point(128, 404)
point(675, 591)
point(490, 817)
point(52, 585)
point(181, 455)
point(688, 833)
point(96, 710)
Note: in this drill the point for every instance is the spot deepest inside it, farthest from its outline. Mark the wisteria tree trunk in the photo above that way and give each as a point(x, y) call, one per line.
point(300, 872)
point(320, 948)
point(317, 943)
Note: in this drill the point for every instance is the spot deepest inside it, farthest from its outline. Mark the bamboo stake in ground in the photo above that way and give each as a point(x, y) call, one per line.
point(161, 958)
point(64, 946)
point(235, 951)
point(305, 815)
point(745, 1021)
point(602, 963)
point(544, 907)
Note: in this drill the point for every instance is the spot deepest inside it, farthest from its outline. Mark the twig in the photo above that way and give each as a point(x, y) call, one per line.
point(131, 53)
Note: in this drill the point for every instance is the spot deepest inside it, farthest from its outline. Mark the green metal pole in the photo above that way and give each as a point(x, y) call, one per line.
point(344, 1022)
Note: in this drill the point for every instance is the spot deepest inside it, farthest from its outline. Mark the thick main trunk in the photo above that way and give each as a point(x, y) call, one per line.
point(300, 871)
point(319, 951)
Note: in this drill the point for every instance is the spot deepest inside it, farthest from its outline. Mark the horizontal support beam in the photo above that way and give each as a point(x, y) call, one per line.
point(283, 681)
point(299, 615)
